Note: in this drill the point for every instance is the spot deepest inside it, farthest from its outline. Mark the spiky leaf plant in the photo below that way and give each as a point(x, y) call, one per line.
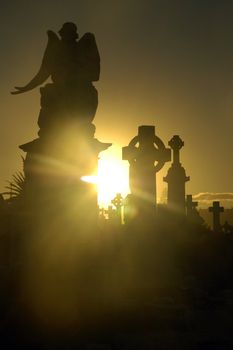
point(16, 186)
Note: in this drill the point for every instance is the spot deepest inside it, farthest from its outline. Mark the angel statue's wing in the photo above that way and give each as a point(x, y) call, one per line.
point(90, 57)
point(45, 68)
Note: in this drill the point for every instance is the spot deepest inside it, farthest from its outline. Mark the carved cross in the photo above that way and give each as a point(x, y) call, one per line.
point(118, 203)
point(190, 205)
point(142, 153)
point(176, 144)
point(216, 210)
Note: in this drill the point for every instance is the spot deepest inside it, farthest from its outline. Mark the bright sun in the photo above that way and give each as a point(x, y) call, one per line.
point(112, 178)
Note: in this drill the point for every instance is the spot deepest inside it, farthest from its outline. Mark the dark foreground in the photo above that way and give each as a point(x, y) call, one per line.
point(119, 289)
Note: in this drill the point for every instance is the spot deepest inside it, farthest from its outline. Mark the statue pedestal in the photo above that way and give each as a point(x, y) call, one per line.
point(54, 168)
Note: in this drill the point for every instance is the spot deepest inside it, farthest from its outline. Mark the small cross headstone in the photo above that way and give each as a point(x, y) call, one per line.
point(118, 203)
point(192, 213)
point(190, 205)
point(216, 210)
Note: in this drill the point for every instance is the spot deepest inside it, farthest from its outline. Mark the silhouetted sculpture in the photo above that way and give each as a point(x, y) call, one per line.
point(66, 148)
point(142, 173)
point(216, 210)
point(176, 178)
point(72, 66)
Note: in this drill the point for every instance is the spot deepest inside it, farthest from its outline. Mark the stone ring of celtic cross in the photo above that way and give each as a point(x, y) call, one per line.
point(159, 148)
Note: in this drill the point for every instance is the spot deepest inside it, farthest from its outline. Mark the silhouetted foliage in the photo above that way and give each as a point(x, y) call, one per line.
point(16, 186)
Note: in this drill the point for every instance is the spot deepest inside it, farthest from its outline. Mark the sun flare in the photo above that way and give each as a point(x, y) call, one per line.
point(112, 176)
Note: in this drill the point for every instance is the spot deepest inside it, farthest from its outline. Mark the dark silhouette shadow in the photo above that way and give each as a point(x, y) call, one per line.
point(66, 149)
point(73, 66)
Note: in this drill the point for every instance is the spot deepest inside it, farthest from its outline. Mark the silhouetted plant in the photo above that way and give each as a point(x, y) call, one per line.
point(16, 186)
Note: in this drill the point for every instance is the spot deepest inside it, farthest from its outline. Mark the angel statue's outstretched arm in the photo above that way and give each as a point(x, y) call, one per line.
point(45, 69)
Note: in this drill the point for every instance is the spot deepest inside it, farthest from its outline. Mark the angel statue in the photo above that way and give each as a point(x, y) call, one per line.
point(72, 65)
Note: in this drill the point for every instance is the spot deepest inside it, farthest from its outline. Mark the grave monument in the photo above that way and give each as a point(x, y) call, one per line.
point(146, 154)
point(216, 209)
point(66, 149)
point(190, 205)
point(176, 178)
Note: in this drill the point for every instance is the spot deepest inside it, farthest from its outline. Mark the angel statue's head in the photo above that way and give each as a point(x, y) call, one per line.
point(68, 31)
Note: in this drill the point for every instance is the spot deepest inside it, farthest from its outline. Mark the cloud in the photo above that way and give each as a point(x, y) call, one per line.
point(208, 196)
point(205, 199)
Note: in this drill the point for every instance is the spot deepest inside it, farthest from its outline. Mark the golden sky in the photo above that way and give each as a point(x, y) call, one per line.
point(166, 63)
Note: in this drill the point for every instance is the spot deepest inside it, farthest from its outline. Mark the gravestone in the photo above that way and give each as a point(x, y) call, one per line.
point(192, 213)
point(60, 211)
point(176, 178)
point(216, 210)
point(66, 149)
point(190, 205)
point(118, 203)
point(143, 151)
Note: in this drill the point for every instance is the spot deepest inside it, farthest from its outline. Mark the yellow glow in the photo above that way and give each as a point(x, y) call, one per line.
point(112, 177)
point(92, 179)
